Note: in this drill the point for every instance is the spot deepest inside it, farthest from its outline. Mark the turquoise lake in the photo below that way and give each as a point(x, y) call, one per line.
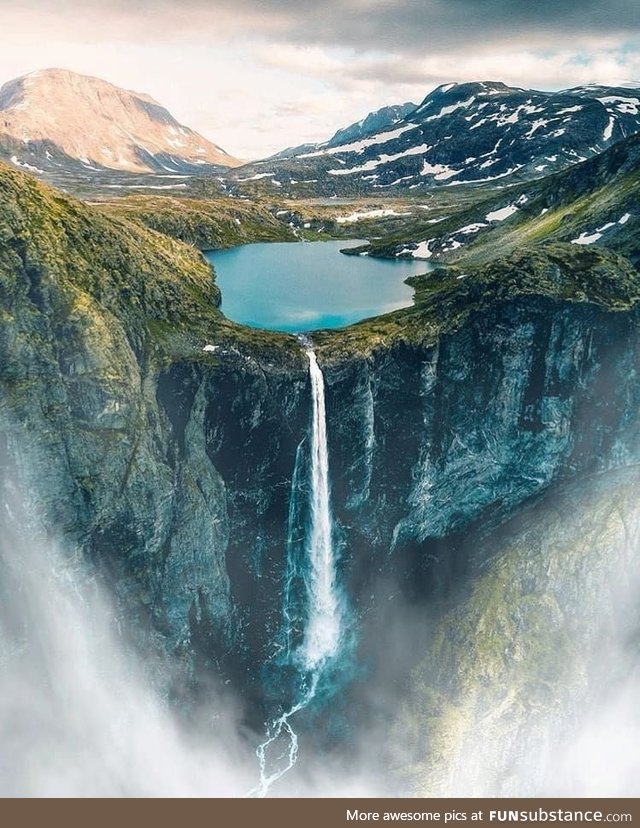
point(296, 287)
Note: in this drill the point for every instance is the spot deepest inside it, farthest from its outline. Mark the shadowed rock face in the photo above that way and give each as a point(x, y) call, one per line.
point(526, 686)
point(170, 467)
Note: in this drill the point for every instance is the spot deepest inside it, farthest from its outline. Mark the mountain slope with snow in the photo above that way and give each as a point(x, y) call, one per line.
point(57, 118)
point(594, 203)
point(380, 119)
point(469, 133)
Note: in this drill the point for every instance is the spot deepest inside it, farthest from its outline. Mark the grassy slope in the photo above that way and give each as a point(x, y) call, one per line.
point(445, 298)
point(578, 200)
point(212, 224)
point(163, 294)
point(158, 290)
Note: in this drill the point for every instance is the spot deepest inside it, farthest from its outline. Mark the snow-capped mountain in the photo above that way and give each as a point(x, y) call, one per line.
point(377, 121)
point(461, 134)
point(57, 118)
point(595, 202)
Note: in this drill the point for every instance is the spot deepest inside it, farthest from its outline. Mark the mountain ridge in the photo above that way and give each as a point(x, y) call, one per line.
point(44, 117)
point(460, 134)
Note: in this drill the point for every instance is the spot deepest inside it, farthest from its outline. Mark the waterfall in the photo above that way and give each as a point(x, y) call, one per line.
point(322, 632)
point(323, 614)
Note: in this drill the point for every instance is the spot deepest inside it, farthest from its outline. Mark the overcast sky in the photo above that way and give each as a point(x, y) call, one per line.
point(256, 76)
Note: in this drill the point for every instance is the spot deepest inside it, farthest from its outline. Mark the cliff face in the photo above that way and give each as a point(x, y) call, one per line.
point(527, 685)
point(170, 466)
point(441, 419)
point(426, 439)
point(85, 304)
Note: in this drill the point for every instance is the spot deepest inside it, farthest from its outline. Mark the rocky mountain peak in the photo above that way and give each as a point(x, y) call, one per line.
point(47, 112)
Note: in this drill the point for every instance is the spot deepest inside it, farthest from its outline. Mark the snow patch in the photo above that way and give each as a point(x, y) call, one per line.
point(25, 166)
point(447, 110)
point(569, 109)
point(359, 146)
point(585, 238)
point(440, 171)
point(501, 214)
point(258, 175)
point(382, 159)
point(472, 228)
point(608, 130)
point(380, 213)
point(628, 106)
point(536, 125)
point(590, 238)
point(421, 251)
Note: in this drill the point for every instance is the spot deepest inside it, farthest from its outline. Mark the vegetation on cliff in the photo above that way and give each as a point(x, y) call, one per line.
point(58, 255)
point(445, 298)
point(513, 670)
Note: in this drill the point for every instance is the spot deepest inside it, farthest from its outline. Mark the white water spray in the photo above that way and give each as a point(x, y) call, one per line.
point(324, 614)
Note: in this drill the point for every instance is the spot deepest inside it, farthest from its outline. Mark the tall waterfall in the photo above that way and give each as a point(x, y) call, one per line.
point(322, 632)
point(323, 615)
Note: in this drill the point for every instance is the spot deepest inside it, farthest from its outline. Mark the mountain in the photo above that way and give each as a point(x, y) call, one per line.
point(373, 122)
point(164, 446)
point(44, 120)
point(462, 134)
point(595, 202)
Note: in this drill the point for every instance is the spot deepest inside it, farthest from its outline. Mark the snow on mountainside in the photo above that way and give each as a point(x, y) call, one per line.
point(594, 203)
point(376, 121)
point(57, 118)
point(461, 134)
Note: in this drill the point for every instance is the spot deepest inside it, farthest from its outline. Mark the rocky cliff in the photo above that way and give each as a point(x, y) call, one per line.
point(93, 310)
point(529, 682)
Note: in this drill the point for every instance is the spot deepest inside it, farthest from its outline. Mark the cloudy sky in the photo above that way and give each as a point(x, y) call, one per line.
point(256, 76)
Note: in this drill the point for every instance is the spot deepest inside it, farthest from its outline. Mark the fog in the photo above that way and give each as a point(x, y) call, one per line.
point(83, 714)
point(78, 716)
point(537, 692)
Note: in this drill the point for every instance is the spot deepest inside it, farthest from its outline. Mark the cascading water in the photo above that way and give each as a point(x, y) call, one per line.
point(322, 632)
point(323, 611)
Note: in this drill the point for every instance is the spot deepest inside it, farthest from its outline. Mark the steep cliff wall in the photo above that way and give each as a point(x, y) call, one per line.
point(94, 312)
point(529, 682)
